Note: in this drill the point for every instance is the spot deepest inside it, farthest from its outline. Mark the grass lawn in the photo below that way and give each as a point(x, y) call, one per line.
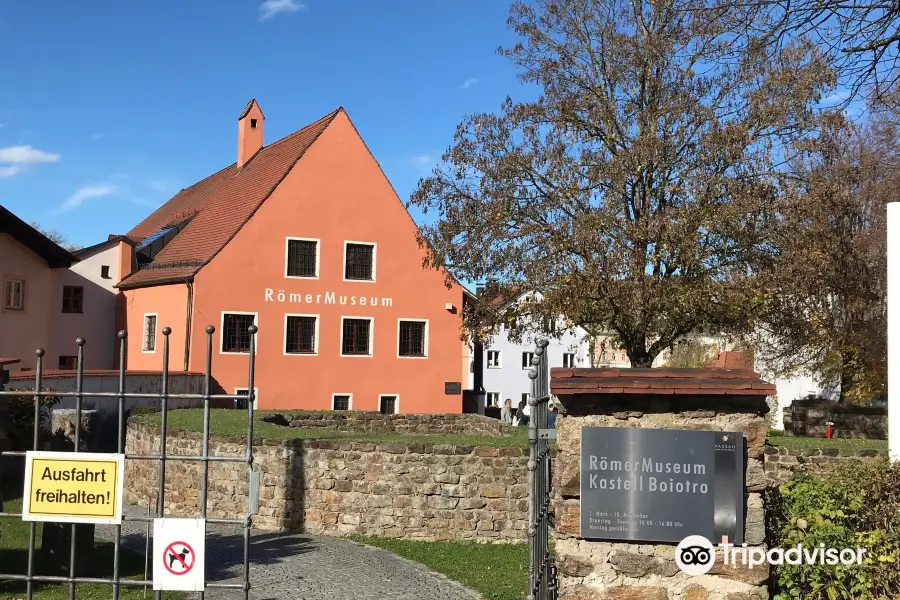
point(777, 438)
point(234, 423)
point(496, 571)
point(14, 560)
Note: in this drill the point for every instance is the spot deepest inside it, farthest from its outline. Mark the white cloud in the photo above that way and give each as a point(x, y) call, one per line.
point(836, 97)
point(15, 159)
point(468, 83)
point(26, 155)
point(422, 160)
point(86, 193)
point(270, 8)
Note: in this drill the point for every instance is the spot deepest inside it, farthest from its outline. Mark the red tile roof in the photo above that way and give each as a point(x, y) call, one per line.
point(221, 204)
point(732, 360)
point(696, 382)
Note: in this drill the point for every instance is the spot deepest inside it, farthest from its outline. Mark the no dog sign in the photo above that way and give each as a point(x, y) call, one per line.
point(179, 549)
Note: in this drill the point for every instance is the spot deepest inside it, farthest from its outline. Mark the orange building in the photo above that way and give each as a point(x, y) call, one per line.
point(307, 239)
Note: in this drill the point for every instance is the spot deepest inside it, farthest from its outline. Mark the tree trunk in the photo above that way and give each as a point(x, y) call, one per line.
point(592, 350)
point(637, 353)
point(847, 377)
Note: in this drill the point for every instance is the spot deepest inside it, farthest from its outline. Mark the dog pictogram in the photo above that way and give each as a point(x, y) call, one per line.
point(178, 558)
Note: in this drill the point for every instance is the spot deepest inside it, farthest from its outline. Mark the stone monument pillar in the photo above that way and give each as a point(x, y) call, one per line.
point(610, 546)
point(56, 541)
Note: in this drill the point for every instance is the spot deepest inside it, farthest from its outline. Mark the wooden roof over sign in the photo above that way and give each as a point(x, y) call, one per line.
point(696, 382)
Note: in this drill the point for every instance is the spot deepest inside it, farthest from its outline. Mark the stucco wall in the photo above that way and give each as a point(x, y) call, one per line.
point(413, 491)
point(169, 303)
point(335, 193)
point(25, 330)
point(97, 324)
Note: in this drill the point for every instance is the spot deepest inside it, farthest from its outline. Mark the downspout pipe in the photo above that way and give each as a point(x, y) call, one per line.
point(187, 324)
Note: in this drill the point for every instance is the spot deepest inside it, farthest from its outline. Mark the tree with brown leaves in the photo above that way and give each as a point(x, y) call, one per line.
point(860, 37)
point(825, 311)
point(635, 193)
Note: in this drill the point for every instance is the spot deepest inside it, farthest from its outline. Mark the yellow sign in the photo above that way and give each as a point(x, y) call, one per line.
point(73, 487)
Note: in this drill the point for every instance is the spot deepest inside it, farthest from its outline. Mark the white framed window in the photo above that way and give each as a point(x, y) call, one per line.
point(569, 360)
point(389, 404)
point(357, 336)
point(493, 399)
point(525, 398)
point(149, 339)
point(301, 258)
point(14, 294)
point(493, 359)
point(526, 359)
point(412, 338)
point(359, 261)
point(242, 404)
point(342, 402)
point(301, 335)
point(234, 334)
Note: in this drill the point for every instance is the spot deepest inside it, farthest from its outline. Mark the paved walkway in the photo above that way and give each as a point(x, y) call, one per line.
point(306, 567)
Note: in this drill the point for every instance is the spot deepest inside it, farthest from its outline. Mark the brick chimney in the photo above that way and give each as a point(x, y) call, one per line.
point(250, 132)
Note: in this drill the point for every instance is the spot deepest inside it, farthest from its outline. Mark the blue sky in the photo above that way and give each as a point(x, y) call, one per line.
point(110, 107)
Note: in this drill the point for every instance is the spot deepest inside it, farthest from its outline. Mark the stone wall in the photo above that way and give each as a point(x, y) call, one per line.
point(599, 570)
point(862, 422)
point(782, 464)
point(414, 491)
point(373, 422)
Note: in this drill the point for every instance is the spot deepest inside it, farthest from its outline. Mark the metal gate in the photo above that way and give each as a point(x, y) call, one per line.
point(541, 568)
point(207, 397)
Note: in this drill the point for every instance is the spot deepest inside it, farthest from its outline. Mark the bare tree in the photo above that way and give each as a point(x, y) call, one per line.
point(56, 237)
point(636, 192)
point(825, 312)
point(861, 37)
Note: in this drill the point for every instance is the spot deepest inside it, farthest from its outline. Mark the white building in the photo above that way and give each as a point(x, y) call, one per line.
point(92, 278)
point(505, 363)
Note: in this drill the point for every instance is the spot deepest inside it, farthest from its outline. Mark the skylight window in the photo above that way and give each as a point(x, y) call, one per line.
point(151, 245)
point(155, 236)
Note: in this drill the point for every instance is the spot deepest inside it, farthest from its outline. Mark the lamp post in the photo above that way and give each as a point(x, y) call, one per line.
point(893, 328)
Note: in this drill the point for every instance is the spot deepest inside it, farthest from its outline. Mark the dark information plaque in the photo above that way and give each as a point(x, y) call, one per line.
point(452, 388)
point(661, 485)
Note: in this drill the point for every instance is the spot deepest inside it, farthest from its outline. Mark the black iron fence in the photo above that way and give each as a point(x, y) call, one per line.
point(541, 568)
point(31, 577)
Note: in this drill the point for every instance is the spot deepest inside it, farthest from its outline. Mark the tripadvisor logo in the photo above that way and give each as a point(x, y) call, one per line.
point(696, 555)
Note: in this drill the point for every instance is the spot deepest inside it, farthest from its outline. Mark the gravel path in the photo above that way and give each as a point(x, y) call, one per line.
point(305, 567)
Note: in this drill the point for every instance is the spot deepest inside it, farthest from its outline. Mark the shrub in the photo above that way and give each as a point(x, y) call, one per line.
point(21, 413)
point(858, 507)
point(143, 410)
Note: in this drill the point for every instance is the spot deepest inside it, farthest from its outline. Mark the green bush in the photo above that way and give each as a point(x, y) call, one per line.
point(858, 507)
point(21, 413)
point(143, 410)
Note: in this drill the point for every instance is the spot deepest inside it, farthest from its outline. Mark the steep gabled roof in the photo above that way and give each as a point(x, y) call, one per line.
point(112, 240)
point(55, 255)
point(220, 205)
